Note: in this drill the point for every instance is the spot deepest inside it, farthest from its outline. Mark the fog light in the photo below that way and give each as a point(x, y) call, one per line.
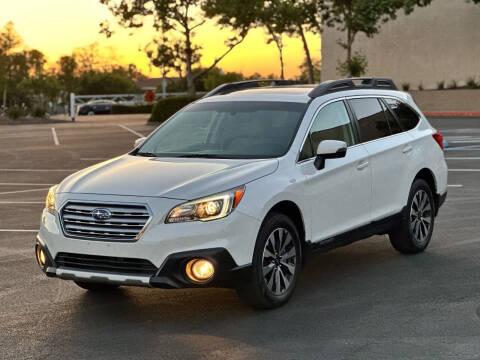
point(200, 270)
point(41, 257)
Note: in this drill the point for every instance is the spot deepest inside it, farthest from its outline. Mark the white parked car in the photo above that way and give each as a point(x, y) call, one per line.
point(236, 189)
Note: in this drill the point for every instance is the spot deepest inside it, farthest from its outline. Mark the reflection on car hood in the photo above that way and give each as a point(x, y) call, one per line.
point(176, 178)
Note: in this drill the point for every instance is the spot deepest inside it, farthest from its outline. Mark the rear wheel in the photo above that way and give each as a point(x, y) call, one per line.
point(414, 232)
point(96, 287)
point(276, 264)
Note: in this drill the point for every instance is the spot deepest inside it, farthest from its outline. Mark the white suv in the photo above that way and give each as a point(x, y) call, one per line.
point(237, 188)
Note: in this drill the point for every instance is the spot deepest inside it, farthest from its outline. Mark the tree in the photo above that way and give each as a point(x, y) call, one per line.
point(305, 72)
point(216, 77)
point(175, 20)
point(298, 17)
point(363, 16)
point(10, 42)
point(66, 74)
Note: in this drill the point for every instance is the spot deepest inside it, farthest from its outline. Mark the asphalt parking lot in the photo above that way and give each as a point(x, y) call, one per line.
point(364, 301)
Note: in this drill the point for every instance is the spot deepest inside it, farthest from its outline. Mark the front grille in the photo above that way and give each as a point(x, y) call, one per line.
point(126, 221)
point(109, 264)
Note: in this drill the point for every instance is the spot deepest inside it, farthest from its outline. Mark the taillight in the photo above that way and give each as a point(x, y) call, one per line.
point(439, 139)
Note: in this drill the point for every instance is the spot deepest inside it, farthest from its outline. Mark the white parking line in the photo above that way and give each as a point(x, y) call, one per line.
point(41, 170)
point(132, 131)
point(22, 202)
point(17, 230)
point(55, 137)
point(22, 191)
point(24, 184)
point(462, 158)
point(455, 185)
point(464, 170)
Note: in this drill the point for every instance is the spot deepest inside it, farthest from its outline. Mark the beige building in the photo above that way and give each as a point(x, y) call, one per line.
point(440, 42)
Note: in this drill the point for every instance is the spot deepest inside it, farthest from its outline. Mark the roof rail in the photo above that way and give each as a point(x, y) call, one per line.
point(331, 86)
point(247, 84)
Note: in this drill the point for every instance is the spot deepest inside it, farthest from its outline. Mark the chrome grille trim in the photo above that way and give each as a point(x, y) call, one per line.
point(128, 221)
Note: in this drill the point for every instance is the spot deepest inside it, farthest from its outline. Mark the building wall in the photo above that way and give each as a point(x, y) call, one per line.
point(440, 42)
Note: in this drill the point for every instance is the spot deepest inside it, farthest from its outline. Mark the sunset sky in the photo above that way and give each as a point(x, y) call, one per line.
point(56, 27)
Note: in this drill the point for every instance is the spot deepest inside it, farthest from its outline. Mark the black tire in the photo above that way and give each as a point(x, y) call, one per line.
point(413, 233)
point(96, 287)
point(260, 292)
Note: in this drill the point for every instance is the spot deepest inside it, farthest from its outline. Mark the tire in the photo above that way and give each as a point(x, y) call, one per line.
point(96, 287)
point(278, 252)
point(414, 232)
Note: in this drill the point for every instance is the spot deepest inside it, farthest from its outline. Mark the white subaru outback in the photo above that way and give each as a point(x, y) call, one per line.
point(237, 188)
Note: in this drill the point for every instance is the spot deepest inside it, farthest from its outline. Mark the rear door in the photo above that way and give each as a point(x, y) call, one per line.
point(339, 194)
point(390, 150)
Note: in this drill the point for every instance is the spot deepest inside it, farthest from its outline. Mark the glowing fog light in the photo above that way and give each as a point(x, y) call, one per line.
point(41, 257)
point(200, 270)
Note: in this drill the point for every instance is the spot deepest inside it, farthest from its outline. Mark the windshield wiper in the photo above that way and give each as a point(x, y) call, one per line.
point(146, 154)
point(208, 156)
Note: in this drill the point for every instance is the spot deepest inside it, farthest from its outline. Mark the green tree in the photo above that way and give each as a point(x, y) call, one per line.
point(305, 72)
point(175, 20)
point(99, 82)
point(66, 73)
point(216, 77)
point(363, 16)
point(10, 43)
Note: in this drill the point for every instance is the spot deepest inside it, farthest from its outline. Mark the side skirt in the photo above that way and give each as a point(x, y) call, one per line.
point(378, 227)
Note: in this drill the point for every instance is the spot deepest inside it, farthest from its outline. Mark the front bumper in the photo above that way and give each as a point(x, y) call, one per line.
point(171, 275)
point(228, 242)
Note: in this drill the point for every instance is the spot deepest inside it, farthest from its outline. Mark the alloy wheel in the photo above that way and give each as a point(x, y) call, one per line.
point(279, 261)
point(421, 216)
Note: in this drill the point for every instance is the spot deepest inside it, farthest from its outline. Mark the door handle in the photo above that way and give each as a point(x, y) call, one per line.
point(407, 149)
point(362, 165)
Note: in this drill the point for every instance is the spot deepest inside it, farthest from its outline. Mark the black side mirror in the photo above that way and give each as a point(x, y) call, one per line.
point(329, 149)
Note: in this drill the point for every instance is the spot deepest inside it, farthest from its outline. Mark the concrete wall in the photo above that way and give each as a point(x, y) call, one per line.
point(435, 43)
point(447, 100)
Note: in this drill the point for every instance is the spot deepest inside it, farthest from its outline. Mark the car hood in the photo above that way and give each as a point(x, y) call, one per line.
point(175, 178)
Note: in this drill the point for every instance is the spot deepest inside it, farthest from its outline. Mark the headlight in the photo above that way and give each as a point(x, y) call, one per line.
point(50, 200)
point(206, 209)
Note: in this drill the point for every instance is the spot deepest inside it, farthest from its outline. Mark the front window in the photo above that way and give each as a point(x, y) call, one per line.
point(238, 129)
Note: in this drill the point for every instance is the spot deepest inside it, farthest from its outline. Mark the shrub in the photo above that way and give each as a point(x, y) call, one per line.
point(420, 87)
point(39, 112)
point(132, 109)
point(14, 112)
point(441, 85)
point(406, 86)
point(164, 108)
point(355, 67)
point(472, 84)
point(453, 85)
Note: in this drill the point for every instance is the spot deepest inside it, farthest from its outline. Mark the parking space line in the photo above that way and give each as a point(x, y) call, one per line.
point(132, 131)
point(455, 185)
point(41, 170)
point(17, 230)
point(22, 202)
point(464, 170)
point(22, 191)
point(55, 137)
point(462, 158)
point(24, 184)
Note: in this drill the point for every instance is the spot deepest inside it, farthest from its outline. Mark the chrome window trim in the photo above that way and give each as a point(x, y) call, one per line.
point(147, 223)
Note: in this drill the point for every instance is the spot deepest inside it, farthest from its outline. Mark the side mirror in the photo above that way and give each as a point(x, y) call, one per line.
point(139, 142)
point(329, 149)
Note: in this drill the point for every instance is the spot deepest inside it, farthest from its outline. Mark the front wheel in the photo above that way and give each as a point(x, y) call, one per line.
point(276, 264)
point(414, 232)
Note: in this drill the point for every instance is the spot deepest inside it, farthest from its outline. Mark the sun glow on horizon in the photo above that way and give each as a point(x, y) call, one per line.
point(57, 27)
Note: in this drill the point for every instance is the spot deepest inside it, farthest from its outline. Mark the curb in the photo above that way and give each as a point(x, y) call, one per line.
point(452, 113)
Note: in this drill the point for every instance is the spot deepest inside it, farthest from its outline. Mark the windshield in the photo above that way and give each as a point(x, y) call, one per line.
point(237, 129)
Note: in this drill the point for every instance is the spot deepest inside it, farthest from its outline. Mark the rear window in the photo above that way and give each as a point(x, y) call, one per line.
point(405, 114)
point(371, 119)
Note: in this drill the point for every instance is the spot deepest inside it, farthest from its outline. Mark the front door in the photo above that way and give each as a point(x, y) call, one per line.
point(339, 194)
